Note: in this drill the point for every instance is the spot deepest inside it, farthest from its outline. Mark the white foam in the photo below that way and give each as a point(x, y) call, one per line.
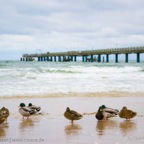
point(43, 78)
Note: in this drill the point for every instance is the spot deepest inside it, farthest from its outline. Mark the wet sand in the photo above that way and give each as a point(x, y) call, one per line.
point(51, 127)
point(73, 94)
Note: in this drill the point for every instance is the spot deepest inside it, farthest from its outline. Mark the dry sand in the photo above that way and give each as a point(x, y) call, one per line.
point(52, 128)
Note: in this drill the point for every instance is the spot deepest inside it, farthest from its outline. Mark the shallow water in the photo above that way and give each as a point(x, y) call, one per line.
point(51, 127)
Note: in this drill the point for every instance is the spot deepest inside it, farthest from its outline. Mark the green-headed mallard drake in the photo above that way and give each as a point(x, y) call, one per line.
point(2, 118)
point(34, 108)
point(5, 112)
point(72, 115)
point(25, 111)
point(126, 113)
point(104, 113)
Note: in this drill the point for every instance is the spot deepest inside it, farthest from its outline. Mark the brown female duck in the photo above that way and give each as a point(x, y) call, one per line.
point(72, 115)
point(2, 119)
point(126, 113)
point(5, 112)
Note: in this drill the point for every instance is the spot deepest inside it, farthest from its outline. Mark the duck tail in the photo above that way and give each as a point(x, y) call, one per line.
point(31, 112)
point(135, 113)
point(38, 109)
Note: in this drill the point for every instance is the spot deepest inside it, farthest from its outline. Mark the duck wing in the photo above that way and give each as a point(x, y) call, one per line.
point(108, 112)
point(131, 114)
point(37, 108)
point(76, 114)
point(72, 115)
point(26, 109)
point(111, 111)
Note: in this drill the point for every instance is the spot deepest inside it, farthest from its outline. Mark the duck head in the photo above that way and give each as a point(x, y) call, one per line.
point(67, 109)
point(21, 105)
point(124, 108)
point(100, 109)
point(103, 106)
point(30, 104)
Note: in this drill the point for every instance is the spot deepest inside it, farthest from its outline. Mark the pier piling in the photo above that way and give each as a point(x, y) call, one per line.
point(47, 58)
point(55, 58)
point(107, 58)
point(91, 58)
point(138, 57)
point(116, 58)
point(126, 57)
point(83, 57)
point(75, 58)
point(71, 58)
point(99, 58)
point(59, 59)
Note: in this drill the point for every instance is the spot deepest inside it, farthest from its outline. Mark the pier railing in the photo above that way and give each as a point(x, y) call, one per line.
point(91, 52)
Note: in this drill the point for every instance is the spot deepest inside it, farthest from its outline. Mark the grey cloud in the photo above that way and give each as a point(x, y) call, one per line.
point(61, 24)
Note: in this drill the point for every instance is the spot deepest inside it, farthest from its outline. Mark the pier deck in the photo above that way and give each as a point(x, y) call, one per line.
point(84, 54)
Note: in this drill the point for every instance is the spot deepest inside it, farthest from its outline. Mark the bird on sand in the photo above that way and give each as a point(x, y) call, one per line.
point(72, 115)
point(34, 107)
point(2, 118)
point(5, 112)
point(25, 111)
point(104, 113)
point(126, 113)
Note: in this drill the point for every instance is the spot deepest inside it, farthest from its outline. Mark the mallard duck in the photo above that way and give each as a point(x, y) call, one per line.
point(104, 113)
point(2, 118)
point(72, 115)
point(25, 111)
point(5, 112)
point(34, 108)
point(126, 113)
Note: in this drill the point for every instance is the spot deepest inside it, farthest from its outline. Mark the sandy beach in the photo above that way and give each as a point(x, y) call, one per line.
point(53, 128)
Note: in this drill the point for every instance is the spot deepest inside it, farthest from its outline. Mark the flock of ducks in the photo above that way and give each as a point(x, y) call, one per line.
point(103, 113)
point(29, 110)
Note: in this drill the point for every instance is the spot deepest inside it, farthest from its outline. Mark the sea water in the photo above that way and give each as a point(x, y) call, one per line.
point(54, 78)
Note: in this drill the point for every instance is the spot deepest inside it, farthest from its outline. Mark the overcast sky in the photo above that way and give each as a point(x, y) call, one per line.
point(62, 25)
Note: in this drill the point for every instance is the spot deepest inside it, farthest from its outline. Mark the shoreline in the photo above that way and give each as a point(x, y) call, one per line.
point(88, 95)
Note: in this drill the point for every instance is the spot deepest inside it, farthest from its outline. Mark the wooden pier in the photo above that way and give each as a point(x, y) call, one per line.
point(72, 55)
